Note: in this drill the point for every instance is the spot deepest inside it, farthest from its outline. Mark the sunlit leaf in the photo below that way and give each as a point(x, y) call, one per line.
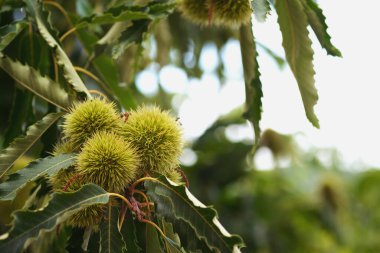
point(27, 225)
point(253, 91)
point(32, 80)
point(176, 201)
point(299, 54)
point(45, 166)
point(9, 32)
point(22, 144)
point(72, 77)
point(111, 240)
point(317, 22)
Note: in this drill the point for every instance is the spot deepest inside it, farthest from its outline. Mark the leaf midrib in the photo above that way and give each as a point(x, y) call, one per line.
point(191, 206)
point(54, 216)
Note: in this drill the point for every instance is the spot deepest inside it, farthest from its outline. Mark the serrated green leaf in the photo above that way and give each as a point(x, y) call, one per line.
point(176, 201)
point(111, 241)
point(22, 144)
point(27, 225)
point(34, 10)
point(299, 54)
point(134, 34)
point(127, 12)
point(261, 9)
point(317, 22)
point(32, 80)
point(9, 32)
point(46, 166)
point(253, 91)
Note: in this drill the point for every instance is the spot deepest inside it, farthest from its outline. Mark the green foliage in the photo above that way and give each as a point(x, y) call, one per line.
point(32, 80)
point(253, 91)
point(33, 7)
point(45, 166)
point(20, 145)
point(28, 224)
point(299, 54)
point(47, 206)
point(111, 240)
point(9, 32)
point(172, 199)
point(317, 22)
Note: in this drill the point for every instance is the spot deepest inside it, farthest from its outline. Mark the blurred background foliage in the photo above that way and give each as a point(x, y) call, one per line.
point(309, 202)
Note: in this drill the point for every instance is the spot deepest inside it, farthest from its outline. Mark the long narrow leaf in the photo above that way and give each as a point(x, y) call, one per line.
point(72, 77)
point(253, 91)
point(154, 9)
point(22, 144)
point(32, 80)
point(299, 54)
point(28, 224)
point(49, 165)
point(111, 241)
point(317, 22)
point(175, 201)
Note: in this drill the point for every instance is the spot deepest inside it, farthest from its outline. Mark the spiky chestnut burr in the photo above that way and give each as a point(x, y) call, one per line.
point(231, 13)
point(63, 147)
point(157, 137)
point(89, 117)
point(196, 11)
point(109, 161)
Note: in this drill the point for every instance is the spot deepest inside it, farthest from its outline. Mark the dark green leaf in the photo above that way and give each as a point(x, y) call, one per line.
point(20, 145)
point(175, 201)
point(152, 242)
point(72, 77)
point(9, 32)
point(317, 22)
point(107, 69)
point(261, 9)
point(28, 224)
point(46, 166)
point(32, 80)
point(253, 91)
point(124, 13)
point(111, 241)
point(128, 231)
point(299, 54)
point(21, 109)
point(134, 34)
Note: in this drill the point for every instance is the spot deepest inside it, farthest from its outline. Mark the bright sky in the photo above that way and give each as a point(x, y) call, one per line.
point(349, 88)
